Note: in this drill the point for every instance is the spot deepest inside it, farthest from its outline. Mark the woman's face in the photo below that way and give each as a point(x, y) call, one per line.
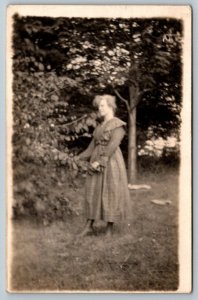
point(104, 108)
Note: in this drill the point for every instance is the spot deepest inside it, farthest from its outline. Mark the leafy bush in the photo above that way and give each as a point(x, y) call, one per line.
point(47, 192)
point(44, 130)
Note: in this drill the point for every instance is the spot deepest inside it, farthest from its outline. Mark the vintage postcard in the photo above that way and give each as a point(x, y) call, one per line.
point(99, 149)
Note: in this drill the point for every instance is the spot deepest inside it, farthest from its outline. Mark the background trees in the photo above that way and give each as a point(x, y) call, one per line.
point(59, 65)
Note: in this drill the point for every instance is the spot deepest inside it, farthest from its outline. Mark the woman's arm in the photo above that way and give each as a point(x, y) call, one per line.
point(85, 155)
point(116, 138)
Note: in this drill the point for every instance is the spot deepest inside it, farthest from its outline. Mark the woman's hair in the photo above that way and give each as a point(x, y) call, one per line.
point(111, 101)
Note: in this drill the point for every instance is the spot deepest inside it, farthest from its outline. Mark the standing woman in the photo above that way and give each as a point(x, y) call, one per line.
point(106, 190)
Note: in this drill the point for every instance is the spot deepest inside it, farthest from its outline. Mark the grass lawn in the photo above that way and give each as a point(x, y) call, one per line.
point(140, 256)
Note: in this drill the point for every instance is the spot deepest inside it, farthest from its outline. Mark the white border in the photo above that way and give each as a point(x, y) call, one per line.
point(124, 11)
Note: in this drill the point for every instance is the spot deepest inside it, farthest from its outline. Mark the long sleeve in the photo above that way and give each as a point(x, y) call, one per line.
point(85, 155)
point(116, 138)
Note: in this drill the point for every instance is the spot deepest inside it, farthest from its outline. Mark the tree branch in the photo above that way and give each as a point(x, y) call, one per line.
point(135, 105)
point(75, 121)
point(139, 98)
point(52, 92)
point(122, 99)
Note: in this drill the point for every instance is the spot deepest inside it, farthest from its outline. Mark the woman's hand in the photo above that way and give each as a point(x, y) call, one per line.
point(95, 165)
point(76, 158)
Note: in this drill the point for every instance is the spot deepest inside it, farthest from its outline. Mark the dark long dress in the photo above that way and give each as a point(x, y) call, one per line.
point(106, 193)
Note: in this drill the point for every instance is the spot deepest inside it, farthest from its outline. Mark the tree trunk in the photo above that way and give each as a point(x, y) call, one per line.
point(132, 151)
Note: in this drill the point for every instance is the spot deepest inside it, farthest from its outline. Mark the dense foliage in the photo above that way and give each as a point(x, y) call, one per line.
point(99, 55)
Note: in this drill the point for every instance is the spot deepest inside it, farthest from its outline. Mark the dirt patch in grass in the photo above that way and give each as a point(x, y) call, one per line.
point(140, 256)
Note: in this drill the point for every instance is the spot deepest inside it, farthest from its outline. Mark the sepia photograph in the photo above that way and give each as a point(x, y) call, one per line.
point(98, 148)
